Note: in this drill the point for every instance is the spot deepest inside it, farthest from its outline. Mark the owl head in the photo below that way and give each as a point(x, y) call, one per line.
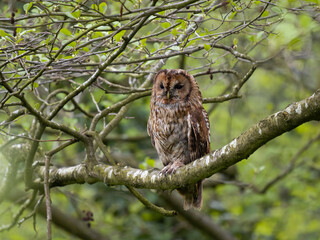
point(172, 86)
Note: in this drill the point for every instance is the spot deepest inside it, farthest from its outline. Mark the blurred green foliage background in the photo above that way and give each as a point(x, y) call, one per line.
point(289, 48)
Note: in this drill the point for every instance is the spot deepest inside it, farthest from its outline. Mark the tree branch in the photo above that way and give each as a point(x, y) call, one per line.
point(48, 197)
point(240, 148)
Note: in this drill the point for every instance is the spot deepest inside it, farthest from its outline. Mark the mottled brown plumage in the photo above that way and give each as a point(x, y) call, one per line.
point(178, 126)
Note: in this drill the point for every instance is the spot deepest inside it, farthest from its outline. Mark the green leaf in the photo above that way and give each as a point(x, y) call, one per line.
point(43, 58)
point(103, 7)
point(67, 57)
point(94, 6)
point(235, 41)
point(165, 25)
point(18, 30)
point(174, 32)
point(143, 166)
point(19, 40)
point(143, 42)
point(207, 46)
point(35, 85)
point(183, 24)
point(4, 34)
point(66, 31)
point(119, 35)
point(96, 35)
point(192, 42)
point(265, 13)
point(232, 15)
point(69, 14)
point(27, 7)
point(73, 44)
point(150, 162)
point(76, 14)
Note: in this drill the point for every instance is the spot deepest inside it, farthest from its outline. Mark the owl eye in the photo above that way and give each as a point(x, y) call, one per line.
point(178, 86)
point(161, 86)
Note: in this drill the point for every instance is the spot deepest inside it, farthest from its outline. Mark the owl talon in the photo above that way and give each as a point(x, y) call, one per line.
point(166, 169)
point(171, 168)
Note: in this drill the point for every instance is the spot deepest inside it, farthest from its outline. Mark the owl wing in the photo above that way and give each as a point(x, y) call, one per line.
point(198, 133)
point(149, 129)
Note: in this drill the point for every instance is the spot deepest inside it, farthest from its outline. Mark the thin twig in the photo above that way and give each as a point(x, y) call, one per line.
point(168, 213)
point(289, 168)
point(47, 195)
point(23, 207)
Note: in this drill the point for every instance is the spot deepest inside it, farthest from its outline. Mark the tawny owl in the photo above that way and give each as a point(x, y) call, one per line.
point(178, 126)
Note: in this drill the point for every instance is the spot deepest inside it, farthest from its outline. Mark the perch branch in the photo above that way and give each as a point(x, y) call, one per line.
point(240, 148)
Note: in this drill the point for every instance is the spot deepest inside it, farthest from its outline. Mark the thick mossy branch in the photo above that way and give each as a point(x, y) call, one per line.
point(238, 149)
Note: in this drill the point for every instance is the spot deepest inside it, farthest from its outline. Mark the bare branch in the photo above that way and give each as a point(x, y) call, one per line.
point(47, 195)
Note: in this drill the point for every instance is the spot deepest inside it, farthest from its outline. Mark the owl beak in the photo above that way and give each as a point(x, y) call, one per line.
point(168, 95)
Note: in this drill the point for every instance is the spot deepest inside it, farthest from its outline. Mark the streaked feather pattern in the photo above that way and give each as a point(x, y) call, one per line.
point(179, 126)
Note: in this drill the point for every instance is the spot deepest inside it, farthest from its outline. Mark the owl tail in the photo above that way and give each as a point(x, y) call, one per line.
point(192, 195)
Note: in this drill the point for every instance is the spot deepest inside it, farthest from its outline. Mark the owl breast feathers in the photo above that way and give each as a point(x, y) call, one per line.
point(178, 126)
